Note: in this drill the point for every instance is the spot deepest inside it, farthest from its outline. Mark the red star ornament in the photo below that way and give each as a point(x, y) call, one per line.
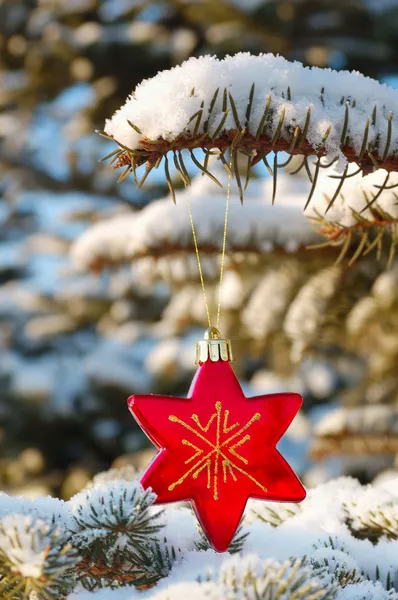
point(217, 449)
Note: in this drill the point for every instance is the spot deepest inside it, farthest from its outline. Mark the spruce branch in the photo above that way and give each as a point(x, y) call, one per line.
point(263, 121)
point(275, 515)
point(372, 518)
point(363, 214)
point(334, 557)
point(114, 528)
point(270, 579)
point(353, 445)
point(235, 547)
point(347, 430)
point(365, 235)
point(310, 309)
point(36, 558)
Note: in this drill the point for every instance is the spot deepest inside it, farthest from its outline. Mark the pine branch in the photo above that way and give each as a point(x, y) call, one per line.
point(381, 522)
point(308, 312)
point(235, 547)
point(353, 445)
point(254, 126)
point(35, 559)
point(342, 568)
point(163, 230)
point(272, 580)
point(277, 514)
point(114, 529)
point(365, 235)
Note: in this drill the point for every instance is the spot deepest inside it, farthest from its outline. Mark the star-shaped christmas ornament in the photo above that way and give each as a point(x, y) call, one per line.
point(217, 448)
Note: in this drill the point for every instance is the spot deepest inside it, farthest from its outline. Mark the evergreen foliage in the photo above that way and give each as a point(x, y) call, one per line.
point(111, 540)
point(299, 320)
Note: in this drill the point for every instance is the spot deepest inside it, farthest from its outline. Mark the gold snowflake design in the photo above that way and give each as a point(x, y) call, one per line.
point(210, 456)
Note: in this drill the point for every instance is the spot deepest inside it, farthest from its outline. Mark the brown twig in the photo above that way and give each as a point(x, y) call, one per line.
point(151, 150)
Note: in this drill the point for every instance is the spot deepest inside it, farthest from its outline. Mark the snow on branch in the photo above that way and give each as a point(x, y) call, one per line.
point(363, 212)
point(115, 531)
point(104, 244)
point(34, 557)
point(255, 105)
point(362, 430)
point(164, 230)
point(340, 542)
point(309, 309)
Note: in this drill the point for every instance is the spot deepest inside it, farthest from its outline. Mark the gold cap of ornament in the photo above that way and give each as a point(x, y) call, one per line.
point(213, 347)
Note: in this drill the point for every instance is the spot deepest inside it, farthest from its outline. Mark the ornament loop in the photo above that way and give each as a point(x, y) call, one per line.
point(213, 347)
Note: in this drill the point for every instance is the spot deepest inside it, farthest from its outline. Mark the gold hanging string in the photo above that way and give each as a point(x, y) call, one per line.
point(195, 241)
point(224, 245)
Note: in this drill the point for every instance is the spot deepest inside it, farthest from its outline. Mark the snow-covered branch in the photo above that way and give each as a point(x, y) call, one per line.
point(255, 105)
point(320, 549)
point(362, 214)
point(163, 230)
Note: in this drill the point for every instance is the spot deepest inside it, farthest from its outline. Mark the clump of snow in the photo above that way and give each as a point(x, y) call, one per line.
point(383, 297)
point(324, 534)
point(124, 473)
point(307, 311)
point(27, 558)
point(26, 543)
point(257, 225)
point(98, 511)
point(374, 419)
point(319, 377)
point(132, 501)
point(355, 195)
point(385, 288)
point(171, 359)
point(103, 244)
point(366, 590)
point(340, 565)
point(162, 107)
point(187, 304)
point(115, 366)
point(362, 314)
point(275, 291)
point(46, 509)
point(178, 268)
point(163, 229)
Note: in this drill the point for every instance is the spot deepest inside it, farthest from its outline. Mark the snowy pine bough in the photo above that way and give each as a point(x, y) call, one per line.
point(110, 542)
point(256, 105)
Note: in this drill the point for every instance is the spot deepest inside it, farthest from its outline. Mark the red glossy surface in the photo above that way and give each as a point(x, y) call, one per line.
point(217, 449)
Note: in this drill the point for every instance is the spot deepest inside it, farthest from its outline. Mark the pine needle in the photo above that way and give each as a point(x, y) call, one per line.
point(205, 171)
point(168, 179)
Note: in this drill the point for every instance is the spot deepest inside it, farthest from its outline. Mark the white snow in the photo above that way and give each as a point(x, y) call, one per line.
point(114, 366)
point(26, 543)
point(356, 193)
point(376, 419)
point(163, 228)
point(171, 358)
point(308, 308)
point(161, 107)
point(385, 288)
point(28, 558)
point(318, 529)
point(104, 243)
point(45, 508)
point(275, 291)
point(366, 590)
point(257, 225)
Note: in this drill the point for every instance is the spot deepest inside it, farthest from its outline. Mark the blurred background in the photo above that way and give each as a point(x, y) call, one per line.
point(78, 337)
